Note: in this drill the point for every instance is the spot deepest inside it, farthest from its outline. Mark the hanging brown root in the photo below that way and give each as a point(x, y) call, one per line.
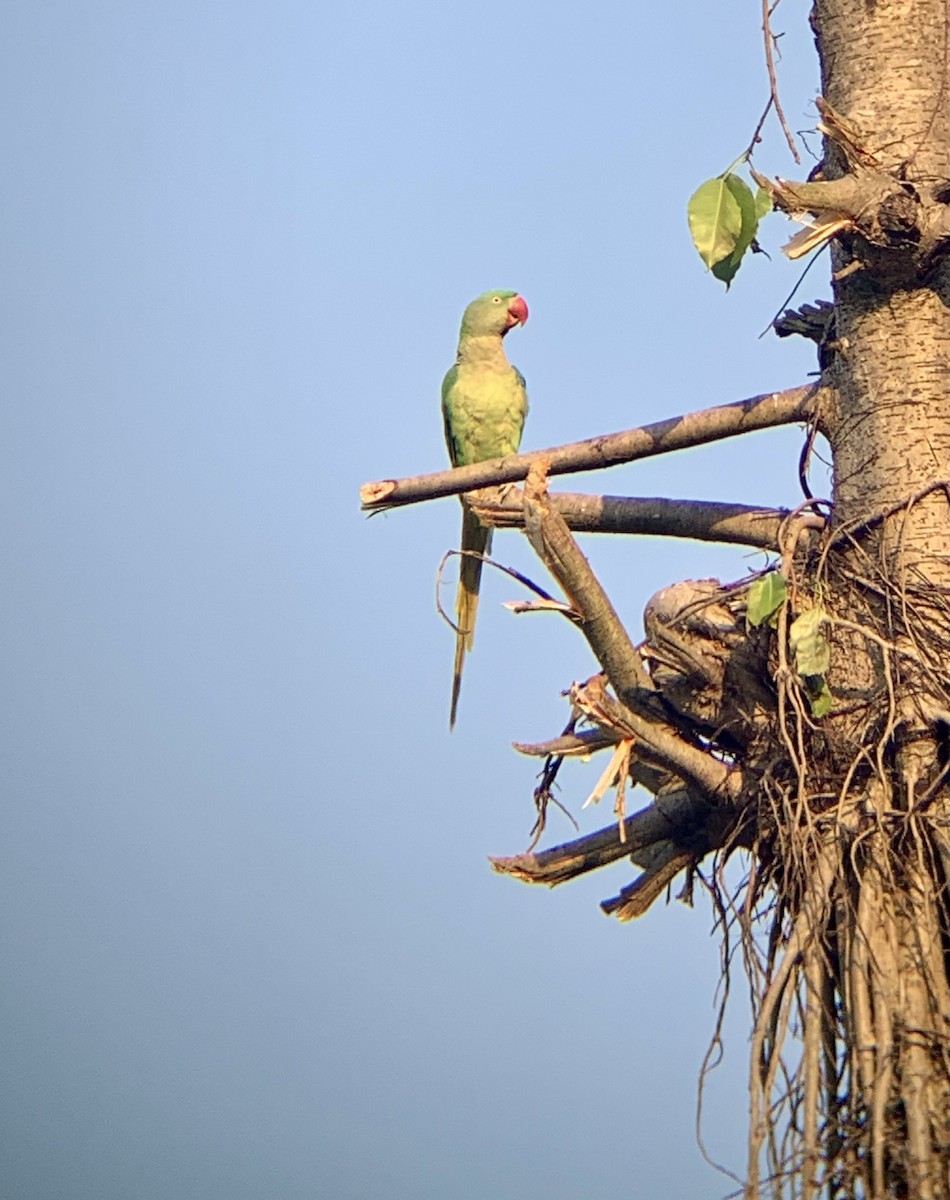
point(840, 813)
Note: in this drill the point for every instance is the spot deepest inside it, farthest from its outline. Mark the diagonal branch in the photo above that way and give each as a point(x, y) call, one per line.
point(661, 437)
point(605, 632)
point(638, 714)
point(703, 520)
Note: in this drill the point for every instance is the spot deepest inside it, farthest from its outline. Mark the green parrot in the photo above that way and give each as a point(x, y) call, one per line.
point(484, 404)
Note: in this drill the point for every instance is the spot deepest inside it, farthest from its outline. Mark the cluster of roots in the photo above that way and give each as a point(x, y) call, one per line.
point(841, 916)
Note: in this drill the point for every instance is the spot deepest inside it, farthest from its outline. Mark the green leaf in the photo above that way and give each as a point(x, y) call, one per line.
point(808, 644)
point(726, 269)
point(763, 203)
point(812, 656)
point(715, 220)
point(819, 697)
point(766, 595)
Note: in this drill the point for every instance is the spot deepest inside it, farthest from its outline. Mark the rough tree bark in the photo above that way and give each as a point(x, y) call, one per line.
point(882, 936)
point(831, 780)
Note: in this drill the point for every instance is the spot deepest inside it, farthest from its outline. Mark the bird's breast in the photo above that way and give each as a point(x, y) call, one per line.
point(487, 411)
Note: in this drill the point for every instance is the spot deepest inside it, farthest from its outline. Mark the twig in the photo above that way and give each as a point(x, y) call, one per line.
point(523, 579)
point(758, 129)
point(675, 433)
point(544, 794)
point(791, 295)
point(773, 80)
point(519, 607)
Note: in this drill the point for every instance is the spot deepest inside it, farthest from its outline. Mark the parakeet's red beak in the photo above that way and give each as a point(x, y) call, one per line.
point(517, 312)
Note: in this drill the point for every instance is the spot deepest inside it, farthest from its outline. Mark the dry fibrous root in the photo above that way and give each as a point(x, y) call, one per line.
point(843, 818)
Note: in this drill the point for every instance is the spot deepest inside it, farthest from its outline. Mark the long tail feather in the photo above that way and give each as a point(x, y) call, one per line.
point(477, 538)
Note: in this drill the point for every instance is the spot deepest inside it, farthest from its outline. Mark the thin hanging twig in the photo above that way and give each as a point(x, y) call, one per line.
point(767, 11)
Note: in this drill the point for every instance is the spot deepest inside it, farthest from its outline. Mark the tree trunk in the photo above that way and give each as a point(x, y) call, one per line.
point(884, 71)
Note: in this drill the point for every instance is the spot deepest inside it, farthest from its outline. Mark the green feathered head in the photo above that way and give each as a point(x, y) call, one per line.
point(494, 313)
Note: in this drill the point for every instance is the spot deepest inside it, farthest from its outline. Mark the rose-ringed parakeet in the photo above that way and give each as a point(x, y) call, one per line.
point(484, 404)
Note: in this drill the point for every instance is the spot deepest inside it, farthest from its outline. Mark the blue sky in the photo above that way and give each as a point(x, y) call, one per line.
point(251, 944)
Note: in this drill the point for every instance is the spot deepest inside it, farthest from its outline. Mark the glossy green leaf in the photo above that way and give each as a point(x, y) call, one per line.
point(742, 194)
point(715, 220)
point(766, 594)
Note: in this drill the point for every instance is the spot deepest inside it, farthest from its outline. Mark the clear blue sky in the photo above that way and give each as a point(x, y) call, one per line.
point(250, 943)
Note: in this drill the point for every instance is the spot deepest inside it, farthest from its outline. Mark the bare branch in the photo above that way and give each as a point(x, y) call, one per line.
point(676, 433)
point(569, 745)
point(691, 824)
point(639, 716)
point(677, 816)
point(603, 629)
point(703, 520)
point(848, 196)
point(757, 132)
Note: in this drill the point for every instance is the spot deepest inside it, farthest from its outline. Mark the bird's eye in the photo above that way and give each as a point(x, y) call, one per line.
point(496, 299)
